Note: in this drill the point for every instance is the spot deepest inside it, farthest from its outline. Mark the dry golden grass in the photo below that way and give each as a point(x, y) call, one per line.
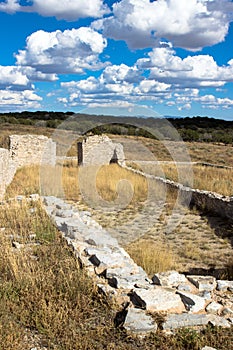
point(46, 300)
point(199, 151)
point(206, 178)
point(104, 180)
point(152, 256)
point(110, 176)
point(42, 287)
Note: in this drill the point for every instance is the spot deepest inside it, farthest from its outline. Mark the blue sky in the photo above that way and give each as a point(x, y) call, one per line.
point(143, 57)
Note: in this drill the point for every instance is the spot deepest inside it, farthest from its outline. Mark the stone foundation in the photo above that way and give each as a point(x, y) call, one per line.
point(184, 300)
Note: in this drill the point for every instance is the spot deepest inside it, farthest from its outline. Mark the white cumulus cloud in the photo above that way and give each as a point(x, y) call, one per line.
point(116, 83)
point(20, 100)
point(193, 71)
point(70, 10)
point(71, 51)
point(190, 24)
point(21, 78)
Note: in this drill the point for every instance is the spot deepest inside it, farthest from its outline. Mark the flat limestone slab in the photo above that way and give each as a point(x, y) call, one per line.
point(157, 300)
point(175, 321)
point(137, 321)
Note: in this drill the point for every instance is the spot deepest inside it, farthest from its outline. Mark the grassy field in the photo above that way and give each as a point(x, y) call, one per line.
point(210, 249)
point(199, 151)
point(47, 300)
point(206, 178)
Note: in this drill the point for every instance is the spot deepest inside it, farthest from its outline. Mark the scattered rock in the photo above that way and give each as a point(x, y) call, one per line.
point(137, 321)
point(218, 321)
point(214, 308)
point(157, 300)
point(169, 279)
point(192, 302)
point(223, 285)
point(227, 311)
point(16, 245)
point(34, 197)
point(184, 287)
point(203, 283)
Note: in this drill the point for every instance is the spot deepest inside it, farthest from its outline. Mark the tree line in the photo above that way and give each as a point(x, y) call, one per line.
point(197, 128)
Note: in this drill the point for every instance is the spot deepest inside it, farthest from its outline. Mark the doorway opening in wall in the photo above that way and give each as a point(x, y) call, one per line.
point(114, 159)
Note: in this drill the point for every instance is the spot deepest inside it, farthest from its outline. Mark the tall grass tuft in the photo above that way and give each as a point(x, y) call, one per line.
point(152, 256)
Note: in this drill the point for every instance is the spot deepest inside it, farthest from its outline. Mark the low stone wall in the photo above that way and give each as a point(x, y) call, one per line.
point(185, 301)
point(24, 150)
point(99, 150)
point(205, 200)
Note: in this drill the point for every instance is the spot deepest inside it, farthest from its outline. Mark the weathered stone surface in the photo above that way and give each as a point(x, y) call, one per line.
point(32, 149)
point(99, 150)
point(101, 237)
point(34, 196)
point(128, 282)
point(64, 213)
point(157, 299)
point(203, 283)
point(137, 321)
point(17, 245)
point(106, 261)
point(106, 289)
point(106, 256)
point(227, 311)
point(175, 321)
point(206, 295)
point(184, 287)
point(223, 285)
point(169, 279)
point(129, 270)
point(214, 308)
point(218, 321)
point(192, 302)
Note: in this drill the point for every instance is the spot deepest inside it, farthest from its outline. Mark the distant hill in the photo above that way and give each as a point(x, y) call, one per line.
point(190, 129)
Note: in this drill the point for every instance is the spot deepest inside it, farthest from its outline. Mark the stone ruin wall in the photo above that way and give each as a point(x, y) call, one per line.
point(99, 150)
point(31, 149)
point(189, 301)
point(24, 150)
point(208, 201)
point(184, 300)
